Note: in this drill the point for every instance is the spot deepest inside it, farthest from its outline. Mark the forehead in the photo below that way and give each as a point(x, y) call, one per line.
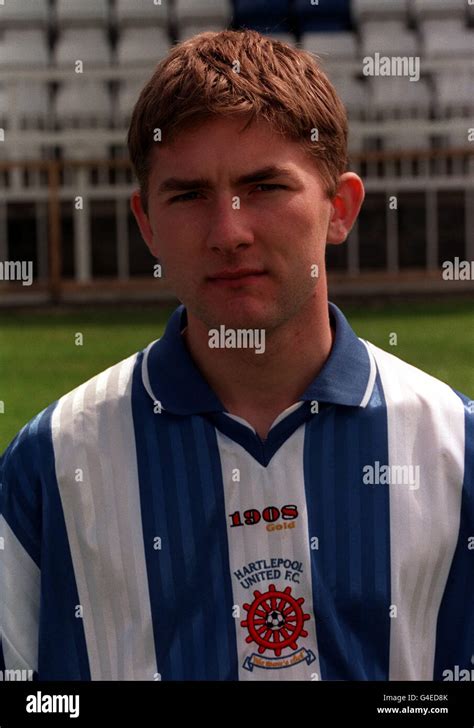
point(220, 144)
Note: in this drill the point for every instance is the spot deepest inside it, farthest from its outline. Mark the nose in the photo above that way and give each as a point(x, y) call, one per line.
point(229, 227)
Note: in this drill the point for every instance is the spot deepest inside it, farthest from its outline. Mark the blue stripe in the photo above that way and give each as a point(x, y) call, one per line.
point(214, 507)
point(455, 629)
point(351, 566)
point(182, 502)
point(21, 491)
point(32, 506)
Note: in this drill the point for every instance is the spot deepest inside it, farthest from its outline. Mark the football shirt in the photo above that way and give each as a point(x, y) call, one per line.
point(149, 534)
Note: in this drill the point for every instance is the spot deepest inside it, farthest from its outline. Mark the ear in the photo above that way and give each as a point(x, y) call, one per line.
point(143, 222)
point(346, 205)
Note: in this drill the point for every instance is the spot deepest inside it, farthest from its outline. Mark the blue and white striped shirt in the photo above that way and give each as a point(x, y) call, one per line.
point(148, 534)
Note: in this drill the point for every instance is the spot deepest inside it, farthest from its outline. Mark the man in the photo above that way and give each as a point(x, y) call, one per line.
point(259, 494)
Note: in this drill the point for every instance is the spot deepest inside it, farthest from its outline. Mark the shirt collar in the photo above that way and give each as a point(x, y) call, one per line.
point(171, 377)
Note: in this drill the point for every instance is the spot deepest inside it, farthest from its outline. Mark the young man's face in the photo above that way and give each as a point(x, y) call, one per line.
point(230, 225)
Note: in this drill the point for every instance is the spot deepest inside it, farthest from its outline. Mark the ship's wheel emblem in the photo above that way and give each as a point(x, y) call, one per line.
point(275, 620)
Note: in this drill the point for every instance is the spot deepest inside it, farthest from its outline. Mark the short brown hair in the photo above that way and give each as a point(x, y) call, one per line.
point(273, 81)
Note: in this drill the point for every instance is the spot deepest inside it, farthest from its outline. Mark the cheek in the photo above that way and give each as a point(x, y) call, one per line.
point(301, 227)
point(180, 228)
point(176, 249)
point(170, 237)
point(304, 214)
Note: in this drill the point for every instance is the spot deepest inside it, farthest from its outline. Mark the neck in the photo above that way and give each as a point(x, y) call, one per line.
point(269, 382)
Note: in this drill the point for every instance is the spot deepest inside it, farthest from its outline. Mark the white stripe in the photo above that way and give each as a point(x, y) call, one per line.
point(280, 483)
point(93, 431)
point(372, 375)
point(145, 374)
point(19, 603)
point(425, 421)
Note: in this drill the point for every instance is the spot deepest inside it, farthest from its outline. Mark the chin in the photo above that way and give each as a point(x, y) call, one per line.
point(237, 312)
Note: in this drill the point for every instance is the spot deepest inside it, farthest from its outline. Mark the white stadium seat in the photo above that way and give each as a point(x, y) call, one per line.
point(32, 106)
point(84, 11)
point(189, 11)
point(24, 151)
point(355, 143)
point(25, 48)
point(90, 46)
point(448, 38)
point(83, 104)
point(458, 138)
point(390, 37)
point(406, 138)
point(31, 101)
point(30, 12)
point(128, 94)
point(83, 149)
point(453, 91)
point(3, 104)
point(362, 9)
point(142, 45)
point(133, 12)
point(398, 96)
point(438, 8)
point(353, 92)
point(83, 100)
point(331, 45)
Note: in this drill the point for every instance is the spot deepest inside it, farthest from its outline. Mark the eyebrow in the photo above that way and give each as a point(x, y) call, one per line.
point(173, 184)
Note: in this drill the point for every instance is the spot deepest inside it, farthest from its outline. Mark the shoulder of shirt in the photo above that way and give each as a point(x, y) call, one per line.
point(408, 381)
point(102, 391)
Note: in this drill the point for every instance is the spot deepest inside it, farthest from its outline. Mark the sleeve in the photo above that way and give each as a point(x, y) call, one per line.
point(455, 629)
point(20, 556)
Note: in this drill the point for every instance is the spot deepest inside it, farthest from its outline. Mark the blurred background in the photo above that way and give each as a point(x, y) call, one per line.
point(62, 135)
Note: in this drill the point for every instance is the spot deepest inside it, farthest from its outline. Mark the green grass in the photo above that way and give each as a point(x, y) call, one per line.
point(39, 360)
point(435, 337)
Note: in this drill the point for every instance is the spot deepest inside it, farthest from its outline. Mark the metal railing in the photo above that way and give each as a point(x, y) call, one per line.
point(51, 182)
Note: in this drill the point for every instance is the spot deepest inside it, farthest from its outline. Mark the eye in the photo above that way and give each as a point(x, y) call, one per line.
point(183, 197)
point(271, 187)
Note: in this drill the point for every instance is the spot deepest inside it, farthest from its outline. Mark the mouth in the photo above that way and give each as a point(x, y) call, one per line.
point(236, 278)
